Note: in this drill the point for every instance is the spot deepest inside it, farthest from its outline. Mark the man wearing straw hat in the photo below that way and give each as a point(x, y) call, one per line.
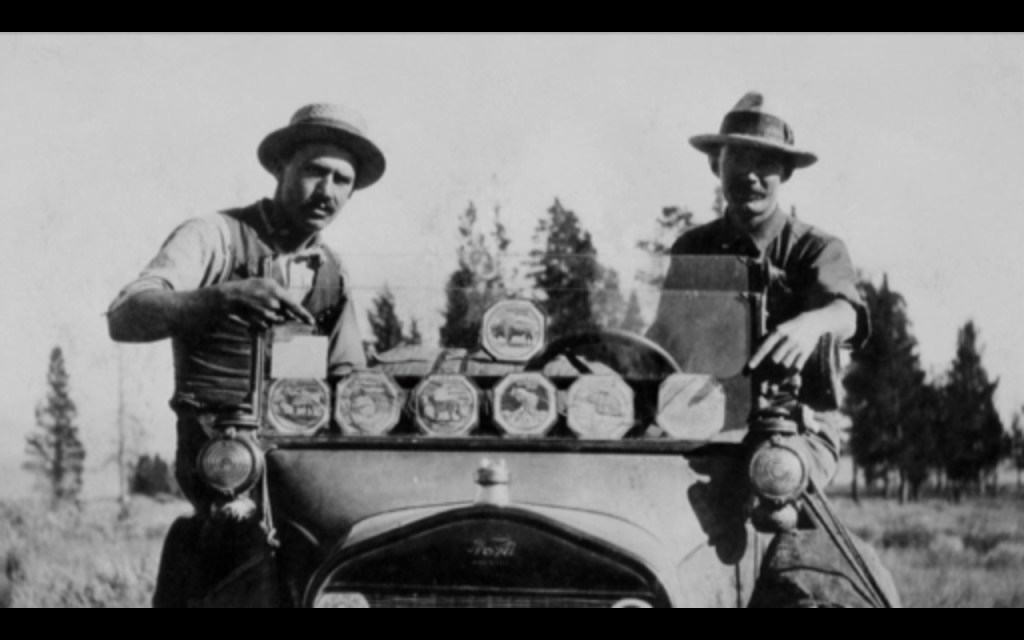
point(207, 288)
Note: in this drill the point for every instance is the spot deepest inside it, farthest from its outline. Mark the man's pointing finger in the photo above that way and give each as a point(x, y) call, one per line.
point(766, 348)
point(297, 311)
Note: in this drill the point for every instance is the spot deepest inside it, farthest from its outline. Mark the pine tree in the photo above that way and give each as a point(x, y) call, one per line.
point(415, 338)
point(670, 225)
point(972, 442)
point(633, 319)
point(919, 452)
point(607, 302)
point(1017, 447)
point(56, 454)
point(153, 476)
point(887, 395)
point(387, 328)
point(479, 281)
point(565, 272)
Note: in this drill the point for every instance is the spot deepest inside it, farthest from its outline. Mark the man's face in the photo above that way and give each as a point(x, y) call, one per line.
point(750, 179)
point(314, 185)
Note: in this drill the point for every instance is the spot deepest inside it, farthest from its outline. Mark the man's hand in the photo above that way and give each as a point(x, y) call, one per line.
point(156, 314)
point(793, 343)
point(260, 302)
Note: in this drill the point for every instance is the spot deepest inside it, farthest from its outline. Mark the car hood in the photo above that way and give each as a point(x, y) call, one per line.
point(684, 516)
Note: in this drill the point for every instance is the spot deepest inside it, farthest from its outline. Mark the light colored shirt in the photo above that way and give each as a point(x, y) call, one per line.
point(198, 255)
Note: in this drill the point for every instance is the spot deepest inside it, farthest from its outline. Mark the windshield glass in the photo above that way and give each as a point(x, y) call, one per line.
point(678, 342)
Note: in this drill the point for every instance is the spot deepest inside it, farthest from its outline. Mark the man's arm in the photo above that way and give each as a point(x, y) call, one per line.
point(792, 343)
point(156, 314)
point(181, 290)
point(346, 346)
point(831, 303)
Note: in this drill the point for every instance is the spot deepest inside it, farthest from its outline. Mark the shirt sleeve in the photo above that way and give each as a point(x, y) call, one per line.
point(832, 277)
point(194, 256)
point(346, 345)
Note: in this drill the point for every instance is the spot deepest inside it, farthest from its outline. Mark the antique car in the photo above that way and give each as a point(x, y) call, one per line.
point(592, 470)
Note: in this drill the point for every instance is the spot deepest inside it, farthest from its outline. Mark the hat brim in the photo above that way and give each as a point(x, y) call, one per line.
point(277, 147)
point(710, 144)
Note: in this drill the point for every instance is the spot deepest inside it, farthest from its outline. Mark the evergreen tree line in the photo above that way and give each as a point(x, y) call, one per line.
point(562, 273)
point(912, 432)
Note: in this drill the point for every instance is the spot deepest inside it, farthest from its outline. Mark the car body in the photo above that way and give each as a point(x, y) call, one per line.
point(445, 502)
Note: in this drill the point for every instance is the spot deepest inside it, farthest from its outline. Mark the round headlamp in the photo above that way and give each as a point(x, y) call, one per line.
point(230, 465)
point(525, 405)
point(298, 406)
point(341, 601)
point(691, 407)
point(368, 403)
point(778, 473)
point(513, 331)
point(447, 406)
point(632, 603)
point(601, 407)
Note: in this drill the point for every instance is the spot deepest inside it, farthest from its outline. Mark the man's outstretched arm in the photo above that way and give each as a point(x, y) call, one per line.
point(158, 313)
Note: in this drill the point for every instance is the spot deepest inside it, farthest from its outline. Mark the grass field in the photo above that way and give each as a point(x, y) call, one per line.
point(941, 555)
point(945, 555)
point(87, 558)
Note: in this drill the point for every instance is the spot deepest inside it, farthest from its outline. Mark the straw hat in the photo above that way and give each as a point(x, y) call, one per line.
point(326, 123)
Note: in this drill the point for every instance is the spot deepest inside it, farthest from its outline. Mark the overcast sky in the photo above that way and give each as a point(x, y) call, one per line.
point(111, 141)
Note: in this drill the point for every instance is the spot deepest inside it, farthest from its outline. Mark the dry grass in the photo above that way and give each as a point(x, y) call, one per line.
point(84, 558)
point(945, 555)
point(942, 555)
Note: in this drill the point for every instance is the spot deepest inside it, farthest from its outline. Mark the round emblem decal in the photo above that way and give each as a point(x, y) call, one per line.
point(601, 407)
point(447, 406)
point(513, 331)
point(299, 406)
point(367, 403)
point(525, 405)
point(691, 407)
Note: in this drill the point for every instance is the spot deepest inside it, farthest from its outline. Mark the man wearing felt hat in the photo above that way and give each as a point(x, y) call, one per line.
point(813, 285)
point(813, 304)
point(220, 275)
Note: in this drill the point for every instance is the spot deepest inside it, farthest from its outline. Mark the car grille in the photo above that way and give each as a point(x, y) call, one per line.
point(474, 601)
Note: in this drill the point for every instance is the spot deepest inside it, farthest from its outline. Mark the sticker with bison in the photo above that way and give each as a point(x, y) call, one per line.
point(513, 330)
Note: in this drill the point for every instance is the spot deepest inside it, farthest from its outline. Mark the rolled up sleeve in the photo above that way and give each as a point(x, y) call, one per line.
point(193, 256)
point(834, 278)
point(346, 344)
point(347, 353)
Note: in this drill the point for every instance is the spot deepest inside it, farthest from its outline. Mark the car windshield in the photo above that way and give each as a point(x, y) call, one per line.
point(695, 308)
point(677, 340)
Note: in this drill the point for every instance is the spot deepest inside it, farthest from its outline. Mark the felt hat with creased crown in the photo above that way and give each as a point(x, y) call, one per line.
point(330, 123)
point(751, 124)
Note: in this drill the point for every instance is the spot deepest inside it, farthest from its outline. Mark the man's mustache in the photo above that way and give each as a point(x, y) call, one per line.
point(320, 202)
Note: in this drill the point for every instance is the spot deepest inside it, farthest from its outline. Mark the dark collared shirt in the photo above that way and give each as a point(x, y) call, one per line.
point(809, 268)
